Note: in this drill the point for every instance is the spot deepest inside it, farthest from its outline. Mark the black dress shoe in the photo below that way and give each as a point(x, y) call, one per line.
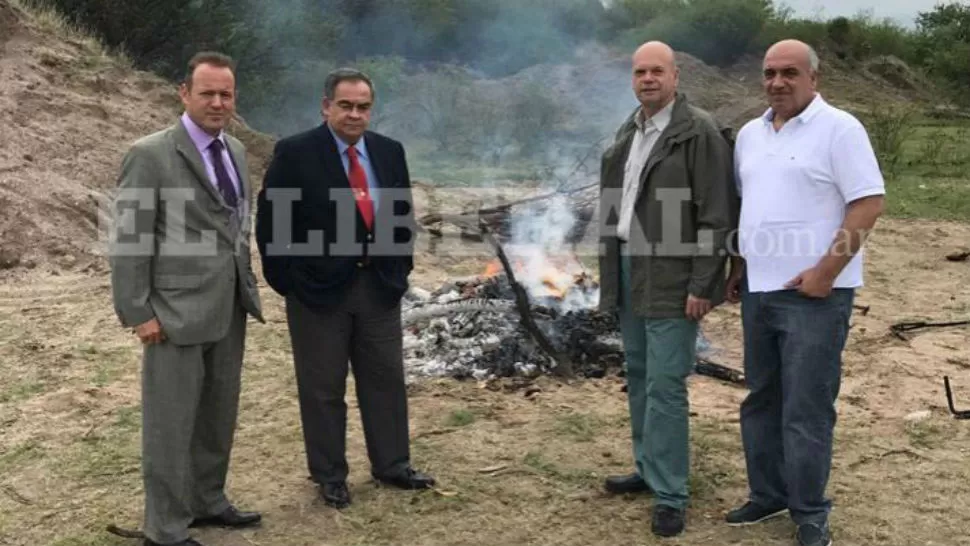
point(408, 478)
point(667, 521)
point(629, 483)
point(230, 517)
point(186, 542)
point(335, 494)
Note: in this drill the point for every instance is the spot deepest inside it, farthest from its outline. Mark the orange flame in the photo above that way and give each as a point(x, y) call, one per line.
point(493, 268)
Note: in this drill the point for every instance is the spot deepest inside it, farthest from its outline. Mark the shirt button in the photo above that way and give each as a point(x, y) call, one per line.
point(370, 237)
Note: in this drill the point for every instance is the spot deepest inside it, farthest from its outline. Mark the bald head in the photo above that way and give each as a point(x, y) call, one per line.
point(656, 52)
point(655, 76)
point(794, 50)
point(790, 77)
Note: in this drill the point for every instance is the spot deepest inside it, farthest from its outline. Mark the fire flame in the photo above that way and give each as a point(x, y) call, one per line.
point(555, 277)
point(493, 268)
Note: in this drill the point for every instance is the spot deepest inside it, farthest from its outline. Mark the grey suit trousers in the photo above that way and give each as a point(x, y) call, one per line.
point(365, 333)
point(190, 399)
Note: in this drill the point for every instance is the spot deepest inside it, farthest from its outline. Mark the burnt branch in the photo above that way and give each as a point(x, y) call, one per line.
point(564, 367)
point(706, 367)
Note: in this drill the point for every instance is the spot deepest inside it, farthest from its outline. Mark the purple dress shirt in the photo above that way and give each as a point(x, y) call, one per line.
point(202, 140)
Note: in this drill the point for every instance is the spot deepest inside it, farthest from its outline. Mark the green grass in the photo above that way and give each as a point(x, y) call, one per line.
point(911, 196)
point(460, 418)
point(580, 426)
point(932, 175)
point(19, 454)
point(22, 390)
point(540, 463)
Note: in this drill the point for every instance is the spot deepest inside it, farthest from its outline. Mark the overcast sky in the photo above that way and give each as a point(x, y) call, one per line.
point(903, 10)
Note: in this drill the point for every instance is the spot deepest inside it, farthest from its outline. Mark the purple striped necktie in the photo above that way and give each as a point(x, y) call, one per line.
point(226, 187)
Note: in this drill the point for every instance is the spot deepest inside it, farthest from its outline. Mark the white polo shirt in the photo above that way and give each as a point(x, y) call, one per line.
point(795, 185)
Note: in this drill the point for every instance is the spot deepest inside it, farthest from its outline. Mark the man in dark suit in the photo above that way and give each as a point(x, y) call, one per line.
point(182, 281)
point(335, 229)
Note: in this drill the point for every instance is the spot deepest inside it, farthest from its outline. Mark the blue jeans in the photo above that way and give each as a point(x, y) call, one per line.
point(659, 355)
point(793, 367)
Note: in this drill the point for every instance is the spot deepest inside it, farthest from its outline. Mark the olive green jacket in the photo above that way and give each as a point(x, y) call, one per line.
point(686, 210)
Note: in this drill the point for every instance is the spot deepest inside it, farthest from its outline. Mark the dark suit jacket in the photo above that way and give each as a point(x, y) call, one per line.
point(305, 209)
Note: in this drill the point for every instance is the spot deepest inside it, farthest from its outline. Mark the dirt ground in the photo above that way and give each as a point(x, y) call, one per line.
point(512, 470)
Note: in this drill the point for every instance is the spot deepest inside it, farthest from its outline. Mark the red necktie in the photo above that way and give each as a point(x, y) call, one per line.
point(358, 182)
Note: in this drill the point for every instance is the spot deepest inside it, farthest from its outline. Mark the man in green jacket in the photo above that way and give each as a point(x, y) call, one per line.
point(667, 206)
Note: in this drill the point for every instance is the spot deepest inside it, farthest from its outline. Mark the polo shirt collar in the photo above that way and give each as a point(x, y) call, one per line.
point(810, 111)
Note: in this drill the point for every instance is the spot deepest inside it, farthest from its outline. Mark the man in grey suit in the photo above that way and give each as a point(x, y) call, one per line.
point(182, 280)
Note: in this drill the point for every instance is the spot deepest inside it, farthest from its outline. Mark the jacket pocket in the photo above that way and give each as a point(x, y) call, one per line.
point(177, 281)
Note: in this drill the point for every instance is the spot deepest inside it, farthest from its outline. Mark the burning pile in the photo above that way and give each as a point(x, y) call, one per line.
point(472, 328)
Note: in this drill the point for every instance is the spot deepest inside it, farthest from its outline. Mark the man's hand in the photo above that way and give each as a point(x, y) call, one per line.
point(697, 307)
point(150, 332)
point(733, 287)
point(814, 283)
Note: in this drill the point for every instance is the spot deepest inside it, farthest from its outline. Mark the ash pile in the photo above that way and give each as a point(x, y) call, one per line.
point(472, 328)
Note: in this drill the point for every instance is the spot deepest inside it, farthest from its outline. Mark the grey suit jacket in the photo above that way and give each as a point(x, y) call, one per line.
point(177, 252)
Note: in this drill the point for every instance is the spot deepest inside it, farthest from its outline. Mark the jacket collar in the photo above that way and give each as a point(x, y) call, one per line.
point(681, 121)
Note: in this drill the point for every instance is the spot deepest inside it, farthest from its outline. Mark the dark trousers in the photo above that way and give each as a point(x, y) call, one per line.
point(190, 399)
point(793, 367)
point(365, 332)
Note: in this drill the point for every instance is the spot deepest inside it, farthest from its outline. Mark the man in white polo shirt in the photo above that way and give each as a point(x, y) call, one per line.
point(811, 191)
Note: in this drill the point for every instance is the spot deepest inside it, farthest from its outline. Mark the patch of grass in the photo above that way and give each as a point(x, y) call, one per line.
point(710, 473)
point(460, 418)
point(909, 196)
point(95, 54)
point(933, 178)
point(114, 451)
point(20, 454)
point(21, 390)
point(538, 461)
point(580, 426)
point(924, 434)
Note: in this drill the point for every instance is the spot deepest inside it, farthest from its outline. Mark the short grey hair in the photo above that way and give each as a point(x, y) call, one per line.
point(812, 58)
point(335, 77)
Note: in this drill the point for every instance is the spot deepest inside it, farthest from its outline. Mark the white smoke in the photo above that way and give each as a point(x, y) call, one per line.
point(543, 257)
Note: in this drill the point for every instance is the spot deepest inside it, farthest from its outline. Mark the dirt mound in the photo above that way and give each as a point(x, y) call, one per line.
point(8, 21)
point(897, 73)
point(597, 84)
point(68, 111)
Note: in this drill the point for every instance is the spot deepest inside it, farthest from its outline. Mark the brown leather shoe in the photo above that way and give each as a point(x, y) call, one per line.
point(230, 517)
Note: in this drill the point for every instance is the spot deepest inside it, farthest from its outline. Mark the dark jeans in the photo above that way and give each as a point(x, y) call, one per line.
point(793, 367)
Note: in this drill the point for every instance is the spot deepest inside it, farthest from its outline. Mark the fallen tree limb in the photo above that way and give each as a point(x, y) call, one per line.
point(900, 327)
point(706, 367)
